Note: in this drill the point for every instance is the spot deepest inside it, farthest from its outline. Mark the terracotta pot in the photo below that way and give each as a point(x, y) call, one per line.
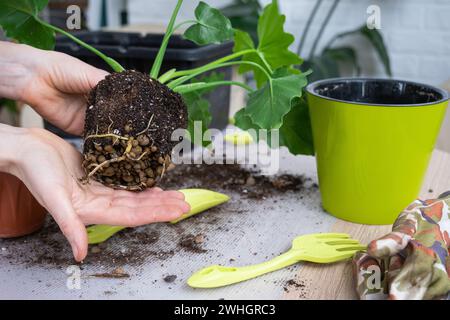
point(20, 213)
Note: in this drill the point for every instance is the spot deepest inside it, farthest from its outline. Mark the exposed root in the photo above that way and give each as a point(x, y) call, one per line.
point(106, 135)
point(163, 171)
point(104, 163)
point(148, 126)
point(107, 162)
point(140, 187)
point(137, 159)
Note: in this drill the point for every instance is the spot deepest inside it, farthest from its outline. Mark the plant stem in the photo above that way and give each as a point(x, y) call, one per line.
point(110, 61)
point(263, 59)
point(322, 28)
point(206, 68)
point(199, 86)
point(307, 26)
point(214, 63)
point(178, 26)
point(162, 50)
point(165, 76)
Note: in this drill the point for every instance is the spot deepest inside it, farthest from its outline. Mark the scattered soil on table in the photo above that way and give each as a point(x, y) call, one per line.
point(192, 243)
point(129, 122)
point(299, 287)
point(49, 247)
point(157, 243)
point(248, 182)
point(170, 278)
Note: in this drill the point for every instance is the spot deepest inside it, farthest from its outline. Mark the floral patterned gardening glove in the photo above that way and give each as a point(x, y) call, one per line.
point(411, 262)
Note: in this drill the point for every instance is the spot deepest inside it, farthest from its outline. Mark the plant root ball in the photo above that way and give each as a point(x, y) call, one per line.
point(127, 136)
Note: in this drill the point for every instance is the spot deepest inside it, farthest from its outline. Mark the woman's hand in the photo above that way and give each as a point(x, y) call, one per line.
point(53, 83)
point(51, 169)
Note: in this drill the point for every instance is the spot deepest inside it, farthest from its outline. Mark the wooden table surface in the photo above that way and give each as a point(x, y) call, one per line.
point(336, 281)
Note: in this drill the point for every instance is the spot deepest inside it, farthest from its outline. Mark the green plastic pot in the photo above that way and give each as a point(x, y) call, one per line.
point(373, 140)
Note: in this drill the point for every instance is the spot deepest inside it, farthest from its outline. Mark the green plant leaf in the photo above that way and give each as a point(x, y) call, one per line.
point(376, 39)
point(268, 105)
point(211, 27)
point(273, 46)
point(242, 41)
point(19, 20)
point(295, 133)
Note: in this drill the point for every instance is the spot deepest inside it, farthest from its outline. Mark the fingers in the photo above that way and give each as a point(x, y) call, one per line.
point(75, 232)
point(151, 200)
point(61, 209)
point(71, 75)
point(124, 208)
point(176, 194)
point(131, 216)
point(95, 75)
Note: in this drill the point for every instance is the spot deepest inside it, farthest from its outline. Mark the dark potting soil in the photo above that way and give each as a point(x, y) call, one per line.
point(161, 241)
point(249, 183)
point(299, 286)
point(130, 119)
point(170, 278)
point(192, 243)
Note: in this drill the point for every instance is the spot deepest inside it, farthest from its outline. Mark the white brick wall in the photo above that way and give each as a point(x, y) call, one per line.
point(417, 32)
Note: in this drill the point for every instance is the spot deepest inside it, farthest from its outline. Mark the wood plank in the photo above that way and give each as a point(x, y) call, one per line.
point(336, 281)
point(437, 179)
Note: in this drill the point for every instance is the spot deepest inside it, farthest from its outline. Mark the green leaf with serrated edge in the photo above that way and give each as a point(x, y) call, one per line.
point(273, 44)
point(242, 41)
point(242, 120)
point(211, 27)
point(295, 133)
point(268, 105)
point(18, 18)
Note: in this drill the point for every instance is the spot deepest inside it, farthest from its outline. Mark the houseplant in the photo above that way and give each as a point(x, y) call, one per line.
point(116, 142)
point(329, 62)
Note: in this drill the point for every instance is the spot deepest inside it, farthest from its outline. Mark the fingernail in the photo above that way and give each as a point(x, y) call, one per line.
point(75, 251)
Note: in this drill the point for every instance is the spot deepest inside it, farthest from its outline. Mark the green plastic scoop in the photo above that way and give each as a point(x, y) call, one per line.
point(199, 200)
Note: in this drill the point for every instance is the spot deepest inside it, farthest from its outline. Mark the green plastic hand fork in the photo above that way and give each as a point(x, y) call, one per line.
point(318, 248)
